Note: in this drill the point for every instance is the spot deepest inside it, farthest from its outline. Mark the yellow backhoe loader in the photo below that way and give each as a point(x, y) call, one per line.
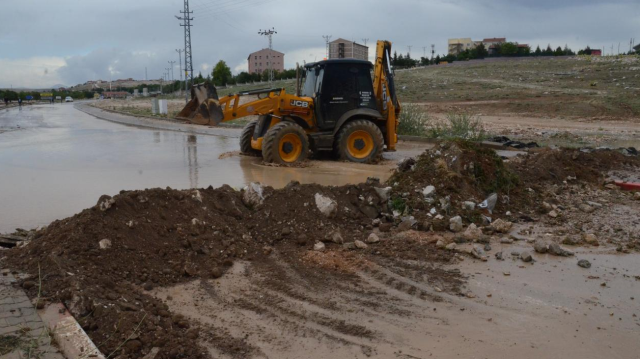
point(340, 108)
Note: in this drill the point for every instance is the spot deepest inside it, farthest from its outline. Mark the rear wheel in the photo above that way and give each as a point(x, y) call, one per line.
point(360, 141)
point(285, 143)
point(245, 139)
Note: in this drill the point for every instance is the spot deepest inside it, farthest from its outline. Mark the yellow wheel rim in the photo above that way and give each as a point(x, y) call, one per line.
point(360, 144)
point(290, 147)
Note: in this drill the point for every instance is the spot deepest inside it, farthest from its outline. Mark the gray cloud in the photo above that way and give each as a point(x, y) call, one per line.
point(125, 36)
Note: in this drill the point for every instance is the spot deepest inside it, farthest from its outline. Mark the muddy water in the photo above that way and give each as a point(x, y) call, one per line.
point(56, 161)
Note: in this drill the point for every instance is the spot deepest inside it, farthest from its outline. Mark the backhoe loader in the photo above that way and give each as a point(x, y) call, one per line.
point(339, 108)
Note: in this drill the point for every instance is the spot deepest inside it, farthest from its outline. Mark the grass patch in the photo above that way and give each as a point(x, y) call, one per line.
point(414, 121)
point(459, 126)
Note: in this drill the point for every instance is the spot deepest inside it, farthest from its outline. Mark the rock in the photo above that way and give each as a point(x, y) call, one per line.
point(477, 252)
point(372, 181)
point(319, 246)
point(541, 246)
point(369, 211)
point(28, 284)
point(349, 246)
point(326, 206)
point(526, 256)
point(360, 244)
point(216, 272)
point(636, 195)
point(335, 237)
point(148, 286)
point(106, 204)
point(190, 270)
point(455, 224)
point(553, 214)
point(105, 244)
point(451, 246)
point(586, 208)
point(373, 238)
point(152, 354)
point(506, 240)
point(487, 247)
point(472, 233)
point(385, 227)
point(128, 307)
point(469, 206)
point(571, 241)
point(253, 195)
point(501, 226)
point(133, 346)
point(406, 225)
point(130, 224)
point(429, 191)
point(590, 238)
point(197, 196)
point(499, 256)
point(555, 249)
point(441, 244)
point(594, 204)
point(584, 263)
point(383, 193)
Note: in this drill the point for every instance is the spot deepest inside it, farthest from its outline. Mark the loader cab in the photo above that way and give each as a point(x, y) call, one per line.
point(338, 86)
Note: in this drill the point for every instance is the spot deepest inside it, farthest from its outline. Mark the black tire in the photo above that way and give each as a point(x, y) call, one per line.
point(271, 151)
point(371, 153)
point(245, 139)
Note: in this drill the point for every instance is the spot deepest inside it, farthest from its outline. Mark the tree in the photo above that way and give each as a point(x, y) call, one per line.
point(437, 60)
point(538, 52)
point(558, 52)
point(508, 49)
point(481, 51)
point(548, 51)
point(524, 51)
point(221, 74)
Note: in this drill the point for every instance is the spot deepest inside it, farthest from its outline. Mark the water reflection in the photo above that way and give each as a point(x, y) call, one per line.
point(192, 159)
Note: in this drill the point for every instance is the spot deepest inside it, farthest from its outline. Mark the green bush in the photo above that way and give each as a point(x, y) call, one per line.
point(414, 121)
point(459, 125)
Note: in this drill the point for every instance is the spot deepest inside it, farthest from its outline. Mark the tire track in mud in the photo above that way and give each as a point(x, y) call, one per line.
point(280, 307)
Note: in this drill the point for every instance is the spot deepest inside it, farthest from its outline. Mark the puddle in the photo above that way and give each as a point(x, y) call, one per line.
point(61, 160)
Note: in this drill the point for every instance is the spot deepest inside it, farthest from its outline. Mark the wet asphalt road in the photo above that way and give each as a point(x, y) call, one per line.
point(56, 160)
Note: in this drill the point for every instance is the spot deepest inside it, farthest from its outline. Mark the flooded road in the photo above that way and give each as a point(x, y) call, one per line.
point(56, 160)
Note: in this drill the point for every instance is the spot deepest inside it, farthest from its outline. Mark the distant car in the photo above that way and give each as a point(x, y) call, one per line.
point(68, 99)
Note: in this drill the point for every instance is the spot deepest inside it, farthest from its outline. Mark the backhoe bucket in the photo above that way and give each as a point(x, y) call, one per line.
point(204, 108)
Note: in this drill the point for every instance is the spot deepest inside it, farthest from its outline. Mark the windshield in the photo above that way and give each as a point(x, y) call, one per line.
point(308, 90)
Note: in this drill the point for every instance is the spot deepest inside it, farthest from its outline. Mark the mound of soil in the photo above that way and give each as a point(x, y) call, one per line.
point(102, 262)
point(558, 165)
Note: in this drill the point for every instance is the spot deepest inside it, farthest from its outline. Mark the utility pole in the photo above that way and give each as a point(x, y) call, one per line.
point(188, 61)
point(173, 78)
point(424, 52)
point(409, 53)
point(365, 41)
point(433, 50)
point(618, 48)
point(168, 73)
point(145, 73)
point(179, 51)
point(327, 38)
point(269, 34)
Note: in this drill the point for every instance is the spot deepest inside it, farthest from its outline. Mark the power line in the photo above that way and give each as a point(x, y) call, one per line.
point(188, 61)
point(269, 34)
point(327, 38)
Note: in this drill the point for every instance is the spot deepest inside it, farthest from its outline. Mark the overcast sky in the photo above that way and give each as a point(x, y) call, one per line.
point(45, 43)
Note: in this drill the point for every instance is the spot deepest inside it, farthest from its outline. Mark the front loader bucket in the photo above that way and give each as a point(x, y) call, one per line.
point(204, 108)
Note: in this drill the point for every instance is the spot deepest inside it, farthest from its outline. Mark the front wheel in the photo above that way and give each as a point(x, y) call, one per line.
point(360, 141)
point(285, 143)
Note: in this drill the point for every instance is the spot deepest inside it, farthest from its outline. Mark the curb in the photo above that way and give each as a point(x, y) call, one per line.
point(71, 338)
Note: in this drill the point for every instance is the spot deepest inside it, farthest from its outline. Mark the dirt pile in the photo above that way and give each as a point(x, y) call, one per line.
point(102, 262)
point(558, 165)
point(441, 180)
